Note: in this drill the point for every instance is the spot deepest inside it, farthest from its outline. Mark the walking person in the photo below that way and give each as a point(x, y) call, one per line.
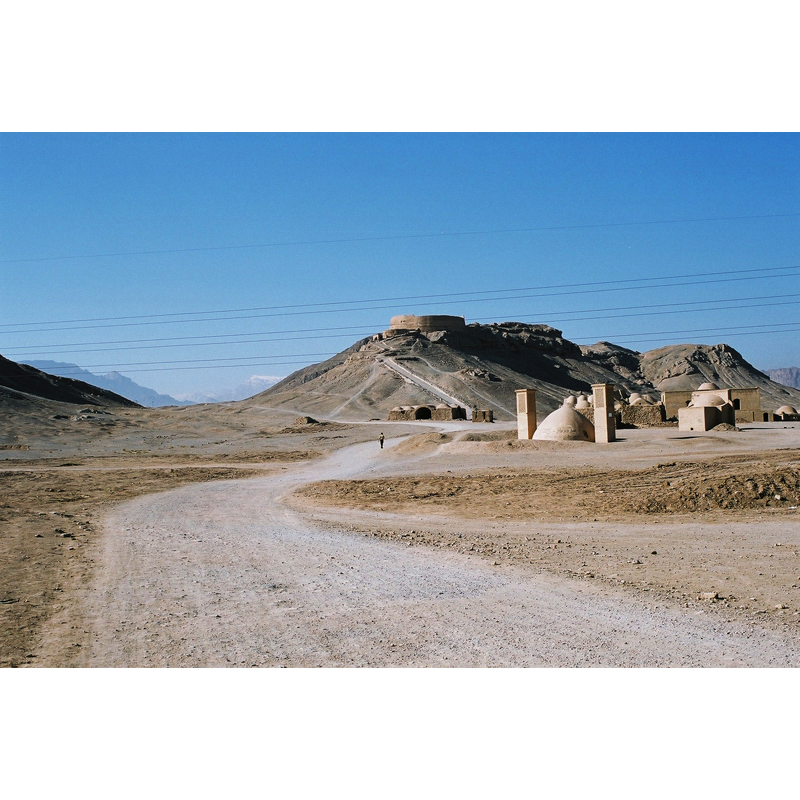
point(380, 439)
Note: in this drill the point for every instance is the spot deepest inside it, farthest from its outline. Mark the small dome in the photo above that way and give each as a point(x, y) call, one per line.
point(786, 410)
point(704, 386)
point(583, 402)
point(570, 401)
point(634, 397)
point(442, 405)
point(397, 408)
point(708, 400)
point(565, 425)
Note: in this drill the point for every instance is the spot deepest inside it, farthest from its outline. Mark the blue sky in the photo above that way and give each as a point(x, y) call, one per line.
point(75, 210)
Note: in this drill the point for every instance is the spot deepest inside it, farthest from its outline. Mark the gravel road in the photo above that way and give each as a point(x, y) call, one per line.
point(227, 574)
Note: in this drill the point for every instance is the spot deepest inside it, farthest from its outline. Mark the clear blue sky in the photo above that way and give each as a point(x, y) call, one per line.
point(67, 202)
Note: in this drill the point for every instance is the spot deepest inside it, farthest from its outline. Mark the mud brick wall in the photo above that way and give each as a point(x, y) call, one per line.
point(643, 416)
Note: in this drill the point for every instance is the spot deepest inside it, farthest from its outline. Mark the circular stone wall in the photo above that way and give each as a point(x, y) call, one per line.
point(426, 324)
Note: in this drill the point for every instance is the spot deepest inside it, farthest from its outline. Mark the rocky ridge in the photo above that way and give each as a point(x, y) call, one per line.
point(483, 365)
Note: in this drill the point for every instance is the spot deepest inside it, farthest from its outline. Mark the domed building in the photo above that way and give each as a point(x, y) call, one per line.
point(565, 424)
point(787, 414)
point(709, 407)
point(746, 401)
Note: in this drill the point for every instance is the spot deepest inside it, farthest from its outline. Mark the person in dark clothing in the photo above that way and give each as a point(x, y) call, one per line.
point(380, 439)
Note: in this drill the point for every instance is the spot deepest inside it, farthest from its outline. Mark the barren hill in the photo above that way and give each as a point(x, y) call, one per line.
point(482, 365)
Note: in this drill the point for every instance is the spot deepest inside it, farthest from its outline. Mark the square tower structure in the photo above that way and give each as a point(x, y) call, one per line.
point(526, 413)
point(605, 420)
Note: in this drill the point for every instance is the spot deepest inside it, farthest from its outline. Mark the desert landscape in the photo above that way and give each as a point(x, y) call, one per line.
point(276, 531)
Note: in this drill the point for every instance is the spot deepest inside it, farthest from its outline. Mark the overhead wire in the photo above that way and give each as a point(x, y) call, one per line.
point(158, 366)
point(399, 237)
point(374, 308)
point(324, 333)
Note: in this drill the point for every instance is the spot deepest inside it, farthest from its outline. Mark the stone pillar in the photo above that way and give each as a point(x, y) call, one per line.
point(526, 413)
point(605, 420)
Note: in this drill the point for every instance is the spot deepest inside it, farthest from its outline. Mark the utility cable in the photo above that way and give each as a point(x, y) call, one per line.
point(364, 331)
point(453, 295)
point(538, 295)
point(397, 237)
point(739, 330)
point(365, 334)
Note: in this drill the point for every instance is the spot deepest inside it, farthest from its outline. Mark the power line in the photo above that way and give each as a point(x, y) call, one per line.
point(538, 295)
point(671, 338)
point(647, 311)
point(645, 336)
point(775, 327)
point(117, 365)
point(398, 237)
point(209, 366)
point(351, 332)
point(160, 318)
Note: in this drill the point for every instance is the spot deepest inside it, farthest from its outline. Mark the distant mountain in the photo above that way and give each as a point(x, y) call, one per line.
point(21, 383)
point(252, 386)
point(788, 376)
point(112, 381)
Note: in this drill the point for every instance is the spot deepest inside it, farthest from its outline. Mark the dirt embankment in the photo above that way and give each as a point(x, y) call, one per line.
point(48, 524)
point(671, 488)
point(726, 527)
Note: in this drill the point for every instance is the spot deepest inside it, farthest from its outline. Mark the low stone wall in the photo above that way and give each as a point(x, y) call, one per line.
point(444, 414)
point(643, 416)
point(404, 414)
point(632, 416)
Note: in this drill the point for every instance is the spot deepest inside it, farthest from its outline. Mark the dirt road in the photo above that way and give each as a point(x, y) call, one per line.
point(228, 574)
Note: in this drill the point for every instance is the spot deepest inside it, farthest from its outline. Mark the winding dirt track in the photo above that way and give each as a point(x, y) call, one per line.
point(227, 574)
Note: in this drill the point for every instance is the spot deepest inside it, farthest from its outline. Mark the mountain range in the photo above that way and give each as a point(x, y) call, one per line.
point(21, 384)
point(144, 396)
point(252, 386)
point(111, 381)
point(788, 376)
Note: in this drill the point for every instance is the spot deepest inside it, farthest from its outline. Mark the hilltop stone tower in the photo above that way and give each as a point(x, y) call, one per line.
point(426, 324)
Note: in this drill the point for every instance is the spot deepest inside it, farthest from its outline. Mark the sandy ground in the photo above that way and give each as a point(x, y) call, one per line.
point(248, 572)
point(58, 477)
point(50, 524)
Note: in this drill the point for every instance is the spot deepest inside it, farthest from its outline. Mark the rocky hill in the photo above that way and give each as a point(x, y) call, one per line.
point(482, 365)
